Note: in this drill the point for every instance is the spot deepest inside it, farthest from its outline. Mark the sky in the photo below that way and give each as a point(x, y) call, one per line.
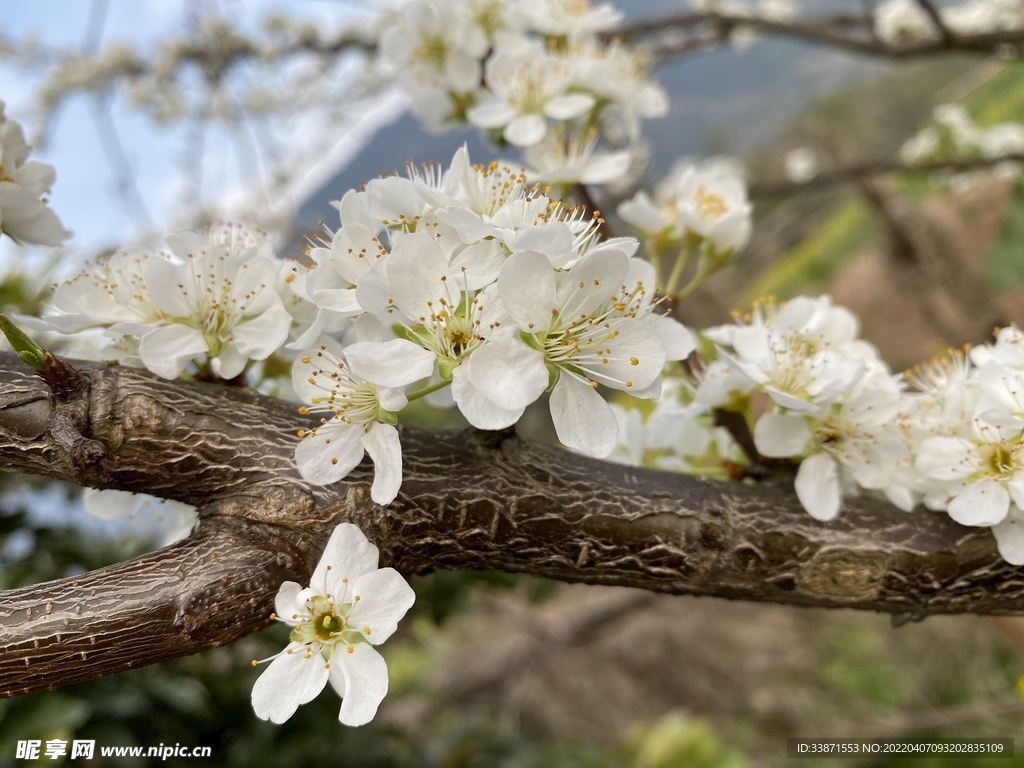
point(86, 195)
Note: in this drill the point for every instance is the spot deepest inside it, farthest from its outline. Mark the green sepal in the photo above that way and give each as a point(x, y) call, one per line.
point(552, 375)
point(531, 341)
point(387, 417)
point(30, 352)
point(446, 367)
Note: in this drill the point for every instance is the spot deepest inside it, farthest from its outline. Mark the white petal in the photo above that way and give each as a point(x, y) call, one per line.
point(350, 555)
point(290, 680)
point(1010, 539)
point(985, 502)
point(569, 106)
point(478, 409)
point(384, 599)
point(384, 447)
point(163, 279)
point(167, 350)
point(323, 463)
point(817, 486)
point(526, 286)
point(285, 604)
point(392, 363)
point(361, 677)
point(526, 131)
point(108, 504)
point(583, 420)
point(677, 339)
point(781, 435)
point(509, 373)
point(229, 363)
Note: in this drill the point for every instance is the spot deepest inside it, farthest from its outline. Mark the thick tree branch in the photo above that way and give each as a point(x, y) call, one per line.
point(468, 500)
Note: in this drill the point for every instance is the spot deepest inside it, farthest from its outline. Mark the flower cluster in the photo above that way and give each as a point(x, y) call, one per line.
point(899, 21)
point(472, 279)
point(216, 303)
point(531, 73)
point(831, 400)
point(953, 134)
point(701, 207)
point(24, 213)
point(350, 606)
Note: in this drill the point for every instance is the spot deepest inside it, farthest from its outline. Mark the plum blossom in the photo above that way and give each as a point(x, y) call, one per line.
point(576, 329)
point(24, 213)
point(219, 292)
point(350, 606)
point(706, 202)
point(360, 416)
point(525, 90)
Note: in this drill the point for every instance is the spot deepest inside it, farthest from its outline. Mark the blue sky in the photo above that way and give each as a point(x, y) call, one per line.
point(85, 195)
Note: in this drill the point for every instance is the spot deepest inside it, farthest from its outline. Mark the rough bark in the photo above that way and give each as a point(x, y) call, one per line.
point(469, 500)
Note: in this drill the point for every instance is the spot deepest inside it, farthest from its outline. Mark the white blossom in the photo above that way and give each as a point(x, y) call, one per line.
point(350, 606)
point(24, 213)
point(220, 294)
point(801, 165)
point(359, 416)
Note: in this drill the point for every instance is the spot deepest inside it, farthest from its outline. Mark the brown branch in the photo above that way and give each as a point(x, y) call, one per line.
point(858, 171)
point(933, 13)
point(677, 34)
point(468, 500)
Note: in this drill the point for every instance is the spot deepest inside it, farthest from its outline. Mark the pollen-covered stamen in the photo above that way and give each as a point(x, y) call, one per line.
point(492, 187)
point(346, 397)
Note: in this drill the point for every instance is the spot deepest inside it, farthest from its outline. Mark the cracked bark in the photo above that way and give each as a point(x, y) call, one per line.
point(468, 500)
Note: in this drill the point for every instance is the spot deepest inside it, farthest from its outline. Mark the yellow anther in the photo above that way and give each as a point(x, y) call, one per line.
point(634, 361)
point(301, 433)
point(350, 648)
point(366, 630)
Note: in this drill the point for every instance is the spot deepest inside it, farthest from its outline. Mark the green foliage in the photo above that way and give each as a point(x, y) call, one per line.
point(818, 257)
point(676, 741)
point(1004, 264)
point(852, 660)
point(999, 99)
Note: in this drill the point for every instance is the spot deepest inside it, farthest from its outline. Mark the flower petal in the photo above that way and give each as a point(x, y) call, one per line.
point(1010, 539)
point(291, 679)
point(285, 604)
point(583, 420)
point(321, 462)
point(361, 677)
point(384, 447)
point(349, 555)
point(384, 599)
point(478, 409)
point(985, 502)
point(526, 286)
point(509, 373)
point(392, 363)
point(167, 350)
point(817, 487)
point(781, 435)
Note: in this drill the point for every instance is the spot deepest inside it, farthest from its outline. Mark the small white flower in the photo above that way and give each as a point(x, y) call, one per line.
point(801, 165)
point(24, 213)
point(897, 21)
point(350, 606)
point(359, 415)
point(577, 328)
point(572, 19)
point(525, 91)
point(220, 295)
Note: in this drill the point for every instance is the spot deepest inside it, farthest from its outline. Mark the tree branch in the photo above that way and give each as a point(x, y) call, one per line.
point(468, 500)
point(681, 33)
point(857, 171)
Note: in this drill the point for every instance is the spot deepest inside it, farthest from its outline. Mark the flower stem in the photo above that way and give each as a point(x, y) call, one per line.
point(427, 390)
point(677, 271)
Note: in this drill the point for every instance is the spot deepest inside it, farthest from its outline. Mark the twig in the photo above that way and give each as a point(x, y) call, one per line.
point(858, 171)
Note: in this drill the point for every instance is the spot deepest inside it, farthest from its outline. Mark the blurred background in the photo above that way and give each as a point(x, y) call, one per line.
point(491, 669)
